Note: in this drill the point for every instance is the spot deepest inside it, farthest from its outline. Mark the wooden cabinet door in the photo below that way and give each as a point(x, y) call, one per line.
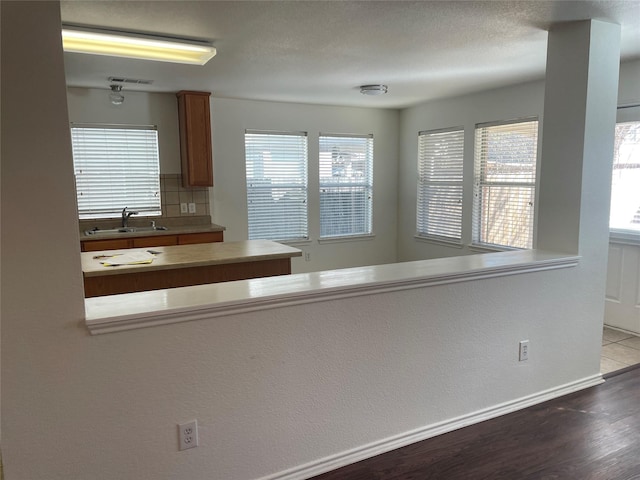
point(152, 241)
point(97, 245)
point(155, 241)
point(204, 237)
point(195, 139)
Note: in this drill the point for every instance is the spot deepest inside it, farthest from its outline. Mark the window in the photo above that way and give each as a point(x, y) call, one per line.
point(116, 167)
point(276, 185)
point(439, 205)
point(346, 185)
point(505, 183)
point(625, 191)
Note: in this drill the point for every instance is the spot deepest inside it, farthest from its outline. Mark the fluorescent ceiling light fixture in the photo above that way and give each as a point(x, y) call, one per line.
point(140, 47)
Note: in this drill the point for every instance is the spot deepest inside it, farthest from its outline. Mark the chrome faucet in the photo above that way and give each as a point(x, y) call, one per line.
point(125, 216)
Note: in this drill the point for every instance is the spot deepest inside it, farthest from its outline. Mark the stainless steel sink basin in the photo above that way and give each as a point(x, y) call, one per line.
point(144, 229)
point(120, 231)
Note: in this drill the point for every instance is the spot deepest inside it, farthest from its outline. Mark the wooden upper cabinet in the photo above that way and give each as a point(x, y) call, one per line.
point(195, 139)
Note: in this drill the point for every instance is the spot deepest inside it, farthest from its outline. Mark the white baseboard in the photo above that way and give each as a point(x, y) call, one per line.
point(348, 457)
point(618, 329)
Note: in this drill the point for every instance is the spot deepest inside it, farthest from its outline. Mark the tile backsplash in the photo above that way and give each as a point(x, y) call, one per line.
point(172, 195)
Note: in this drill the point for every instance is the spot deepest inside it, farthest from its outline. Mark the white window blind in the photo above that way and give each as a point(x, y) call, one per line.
point(276, 173)
point(625, 185)
point(346, 185)
point(116, 167)
point(505, 183)
point(439, 204)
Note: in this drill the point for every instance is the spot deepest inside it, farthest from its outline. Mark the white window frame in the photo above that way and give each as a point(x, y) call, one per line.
point(625, 179)
point(116, 166)
point(345, 169)
point(514, 227)
point(440, 185)
point(277, 190)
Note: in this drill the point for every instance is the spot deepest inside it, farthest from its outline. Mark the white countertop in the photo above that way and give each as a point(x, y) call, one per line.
point(170, 230)
point(182, 256)
point(115, 313)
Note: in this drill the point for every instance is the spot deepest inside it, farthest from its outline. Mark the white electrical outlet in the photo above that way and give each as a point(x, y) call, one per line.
point(183, 208)
point(192, 208)
point(188, 434)
point(523, 355)
point(307, 256)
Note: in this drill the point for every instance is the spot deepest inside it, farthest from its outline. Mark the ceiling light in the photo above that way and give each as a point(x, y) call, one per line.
point(115, 96)
point(142, 47)
point(373, 89)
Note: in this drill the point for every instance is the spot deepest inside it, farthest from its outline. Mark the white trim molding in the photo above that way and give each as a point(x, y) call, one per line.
point(128, 311)
point(624, 238)
point(348, 457)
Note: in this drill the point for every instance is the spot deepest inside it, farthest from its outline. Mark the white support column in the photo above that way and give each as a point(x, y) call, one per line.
point(583, 60)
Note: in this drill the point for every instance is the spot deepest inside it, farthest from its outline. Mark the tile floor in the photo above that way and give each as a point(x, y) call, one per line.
point(619, 350)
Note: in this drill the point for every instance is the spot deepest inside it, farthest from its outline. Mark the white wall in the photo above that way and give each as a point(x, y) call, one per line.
point(519, 101)
point(629, 90)
point(230, 118)
point(272, 389)
point(92, 105)
point(507, 103)
point(622, 309)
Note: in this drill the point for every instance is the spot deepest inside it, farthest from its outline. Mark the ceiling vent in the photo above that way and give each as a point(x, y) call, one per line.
point(132, 81)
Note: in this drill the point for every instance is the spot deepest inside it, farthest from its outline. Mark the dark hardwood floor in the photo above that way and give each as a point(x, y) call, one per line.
point(589, 435)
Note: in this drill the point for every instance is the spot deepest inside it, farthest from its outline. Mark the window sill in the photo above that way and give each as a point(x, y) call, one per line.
point(295, 243)
point(439, 241)
point(129, 311)
point(349, 238)
point(475, 247)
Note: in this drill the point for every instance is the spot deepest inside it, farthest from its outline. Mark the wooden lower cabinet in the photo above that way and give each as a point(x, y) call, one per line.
point(161, 241)
point(151, 241)
point(182, 277)
point(205, 237)
point(96, 245)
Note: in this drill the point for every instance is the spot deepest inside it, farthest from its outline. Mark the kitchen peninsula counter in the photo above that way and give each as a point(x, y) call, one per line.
point(184, 265)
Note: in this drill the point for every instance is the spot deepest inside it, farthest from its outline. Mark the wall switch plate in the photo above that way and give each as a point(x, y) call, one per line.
point(188, 435)
point(192, 208)
point(183, 208)
point(523, 355)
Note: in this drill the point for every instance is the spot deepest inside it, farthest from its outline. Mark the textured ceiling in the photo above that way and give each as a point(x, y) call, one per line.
point(321, 51)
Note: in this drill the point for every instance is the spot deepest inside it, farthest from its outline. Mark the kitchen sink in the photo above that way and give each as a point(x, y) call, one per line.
point(119, 231)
